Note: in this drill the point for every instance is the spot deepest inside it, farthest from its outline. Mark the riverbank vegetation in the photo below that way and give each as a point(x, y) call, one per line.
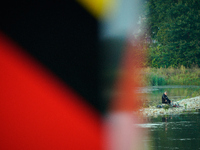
point(172, 76)
point(172, 36)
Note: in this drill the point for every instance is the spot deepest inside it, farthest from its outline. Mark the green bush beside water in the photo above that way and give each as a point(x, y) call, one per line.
point(172, 76)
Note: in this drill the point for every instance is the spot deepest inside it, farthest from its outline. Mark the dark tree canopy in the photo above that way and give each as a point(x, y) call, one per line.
point(174, 28)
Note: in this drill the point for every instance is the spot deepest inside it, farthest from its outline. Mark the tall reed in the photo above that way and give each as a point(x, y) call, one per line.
point(172, 76)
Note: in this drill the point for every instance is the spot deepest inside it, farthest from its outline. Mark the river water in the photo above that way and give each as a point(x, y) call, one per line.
point(178, 132)
point(153, 94)
point(175, 132)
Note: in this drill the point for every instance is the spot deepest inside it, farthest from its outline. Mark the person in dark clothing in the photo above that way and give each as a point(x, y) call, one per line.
point(165, 99)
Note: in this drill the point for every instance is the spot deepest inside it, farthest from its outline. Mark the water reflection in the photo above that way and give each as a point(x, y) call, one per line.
point(165, 119)
point(175, 93)
point(174, 132)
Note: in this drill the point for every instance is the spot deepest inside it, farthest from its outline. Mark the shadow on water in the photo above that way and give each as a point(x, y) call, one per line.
point(174, 132)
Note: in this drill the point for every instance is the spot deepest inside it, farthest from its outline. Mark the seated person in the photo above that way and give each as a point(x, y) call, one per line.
point(165, 99)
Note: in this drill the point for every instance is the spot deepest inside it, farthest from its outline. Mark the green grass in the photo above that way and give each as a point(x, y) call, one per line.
point(172, 76)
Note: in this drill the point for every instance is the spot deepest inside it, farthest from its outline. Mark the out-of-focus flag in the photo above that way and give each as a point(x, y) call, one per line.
point(52, 84)
point(48, 76)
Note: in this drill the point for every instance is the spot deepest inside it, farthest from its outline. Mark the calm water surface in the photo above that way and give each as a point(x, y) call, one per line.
point(178, 132)
point(175, 93)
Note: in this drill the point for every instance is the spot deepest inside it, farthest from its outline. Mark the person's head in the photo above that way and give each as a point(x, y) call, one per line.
point(165, 92)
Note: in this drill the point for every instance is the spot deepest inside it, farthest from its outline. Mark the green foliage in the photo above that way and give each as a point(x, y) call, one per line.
point(172, 76)
point(166, 107)
point(185, 106)
point(174, 28)
point(156, 80)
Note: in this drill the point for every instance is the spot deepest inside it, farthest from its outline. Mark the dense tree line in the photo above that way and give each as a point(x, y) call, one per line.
point(174, 31)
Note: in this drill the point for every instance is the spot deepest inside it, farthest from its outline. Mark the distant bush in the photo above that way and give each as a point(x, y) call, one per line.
point(156, 80)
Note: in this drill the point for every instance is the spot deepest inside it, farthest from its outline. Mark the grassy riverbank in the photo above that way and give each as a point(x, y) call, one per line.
point(172, 76)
